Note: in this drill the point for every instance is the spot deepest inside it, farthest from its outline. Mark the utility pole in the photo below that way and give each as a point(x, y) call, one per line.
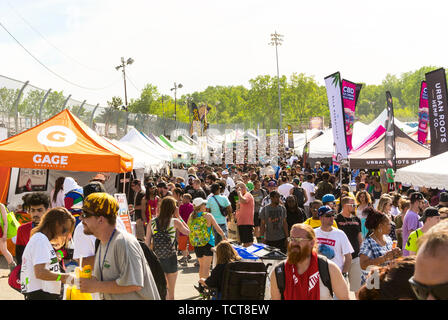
point(123, 67)
point(276, 40)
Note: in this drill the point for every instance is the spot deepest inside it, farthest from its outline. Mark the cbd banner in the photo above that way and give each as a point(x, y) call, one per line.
point(389, 144)
point(438, 113)
point(334, 95)
point(290, 138)
point(350, 94)
point(423, 114)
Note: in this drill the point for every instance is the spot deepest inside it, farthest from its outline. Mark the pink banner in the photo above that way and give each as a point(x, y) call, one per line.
point(350, 92)
point(423, 114)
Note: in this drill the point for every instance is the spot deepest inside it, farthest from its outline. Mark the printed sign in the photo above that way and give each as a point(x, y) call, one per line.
point(123, 210)
point(31, 180)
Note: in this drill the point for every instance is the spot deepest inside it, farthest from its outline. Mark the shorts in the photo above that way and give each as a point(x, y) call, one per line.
point(182, 243)
point(257, 220)
point(246, 233)
point(169, 265)
point(204, 251)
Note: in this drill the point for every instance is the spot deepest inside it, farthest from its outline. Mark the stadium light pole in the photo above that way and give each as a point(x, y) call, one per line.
point(276, 40)
point(123, 67)
point(176, 86)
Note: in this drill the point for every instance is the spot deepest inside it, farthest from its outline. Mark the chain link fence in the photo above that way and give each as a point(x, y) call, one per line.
point(23, 106)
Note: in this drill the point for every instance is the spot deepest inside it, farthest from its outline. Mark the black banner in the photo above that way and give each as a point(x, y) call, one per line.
point(438, 113)
point(389, 144)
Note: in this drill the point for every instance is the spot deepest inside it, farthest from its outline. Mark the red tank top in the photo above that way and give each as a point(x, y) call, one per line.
point(304, 286)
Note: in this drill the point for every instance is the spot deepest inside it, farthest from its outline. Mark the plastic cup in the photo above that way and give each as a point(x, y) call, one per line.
point(394, 244)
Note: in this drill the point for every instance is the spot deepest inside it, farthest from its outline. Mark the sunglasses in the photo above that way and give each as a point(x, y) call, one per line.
point(295, 239)
point(86, 214)
point(422, 291)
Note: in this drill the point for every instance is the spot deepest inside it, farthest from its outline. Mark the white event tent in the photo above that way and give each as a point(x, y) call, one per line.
point(136, 138)
point(429, 173)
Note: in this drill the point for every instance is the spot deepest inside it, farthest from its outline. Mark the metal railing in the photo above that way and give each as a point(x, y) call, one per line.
point(23, 106)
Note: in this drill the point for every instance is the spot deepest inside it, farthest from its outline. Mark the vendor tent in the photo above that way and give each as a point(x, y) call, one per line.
point(63, 142)
point(408, 151)
point(428, 173)
point(139, 140)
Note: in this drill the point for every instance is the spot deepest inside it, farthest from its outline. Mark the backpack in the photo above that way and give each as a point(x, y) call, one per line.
point(163, 246)
point(13, 224)
point(154, 265)
point(199, 235)
point(324, 274)
point(244, 280)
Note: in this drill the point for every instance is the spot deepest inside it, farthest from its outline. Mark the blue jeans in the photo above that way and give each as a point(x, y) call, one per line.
point(218, 237)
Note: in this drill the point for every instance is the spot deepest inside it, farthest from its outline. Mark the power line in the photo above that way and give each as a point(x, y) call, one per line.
point(50, 70)
point(50, 43)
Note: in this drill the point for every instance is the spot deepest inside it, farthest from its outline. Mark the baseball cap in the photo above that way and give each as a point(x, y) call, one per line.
point(429, 212)
point(296, 181)
point(197, 202)
point(328, 198)
point(272, 183)
point(416, 196)
point(324, 210)
point(101, 204)
point(225, 172)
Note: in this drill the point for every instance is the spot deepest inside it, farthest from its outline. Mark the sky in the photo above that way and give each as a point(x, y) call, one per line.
point(201, 43)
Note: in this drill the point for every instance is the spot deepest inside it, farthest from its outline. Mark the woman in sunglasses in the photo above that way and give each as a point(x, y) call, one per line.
point(430, 280)
point(41, 275)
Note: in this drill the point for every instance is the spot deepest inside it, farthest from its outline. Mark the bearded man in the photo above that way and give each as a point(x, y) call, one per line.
point(302, 273)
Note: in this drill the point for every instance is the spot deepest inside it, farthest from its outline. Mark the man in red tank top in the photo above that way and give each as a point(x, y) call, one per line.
point(302, 272)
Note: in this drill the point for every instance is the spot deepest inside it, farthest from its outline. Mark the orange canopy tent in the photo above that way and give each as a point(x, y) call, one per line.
point(63, 142)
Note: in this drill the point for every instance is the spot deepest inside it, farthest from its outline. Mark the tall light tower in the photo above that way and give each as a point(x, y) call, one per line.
point(176, 86)
point(123, 66)
point(276, 40)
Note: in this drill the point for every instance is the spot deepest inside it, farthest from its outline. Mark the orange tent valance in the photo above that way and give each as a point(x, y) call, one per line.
point(63, 142)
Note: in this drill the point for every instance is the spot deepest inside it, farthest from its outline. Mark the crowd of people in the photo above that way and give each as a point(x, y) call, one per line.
point(367, 228)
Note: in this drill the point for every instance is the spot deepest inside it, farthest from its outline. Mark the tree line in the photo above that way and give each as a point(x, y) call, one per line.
point(257, 105)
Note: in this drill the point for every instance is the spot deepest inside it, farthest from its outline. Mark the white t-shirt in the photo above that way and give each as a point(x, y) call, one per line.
point(38, 251)
point(84, 245)
point(284, 189)
point(336, 242)
point(308, 187)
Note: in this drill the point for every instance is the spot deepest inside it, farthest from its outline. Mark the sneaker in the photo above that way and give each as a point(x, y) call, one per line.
point(196, 264)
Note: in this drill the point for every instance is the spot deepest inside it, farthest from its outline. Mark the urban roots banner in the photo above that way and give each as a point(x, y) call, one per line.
point(438, 113)
point(334, 94)
point(389, 144)
point(423, 114)
point(350, 94)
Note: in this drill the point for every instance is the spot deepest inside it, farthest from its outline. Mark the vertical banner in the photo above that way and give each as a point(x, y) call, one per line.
point(389, 144)
point(273, 146)
point(261, 148)
point(228, 146)
point(290, 137)
point(350, 94)
point(334, 94)
point(438, 113)
point(423, 114)
point(195, 123)
point(123, 211)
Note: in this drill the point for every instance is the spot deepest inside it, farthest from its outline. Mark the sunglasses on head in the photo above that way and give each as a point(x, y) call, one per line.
point(422, 291)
